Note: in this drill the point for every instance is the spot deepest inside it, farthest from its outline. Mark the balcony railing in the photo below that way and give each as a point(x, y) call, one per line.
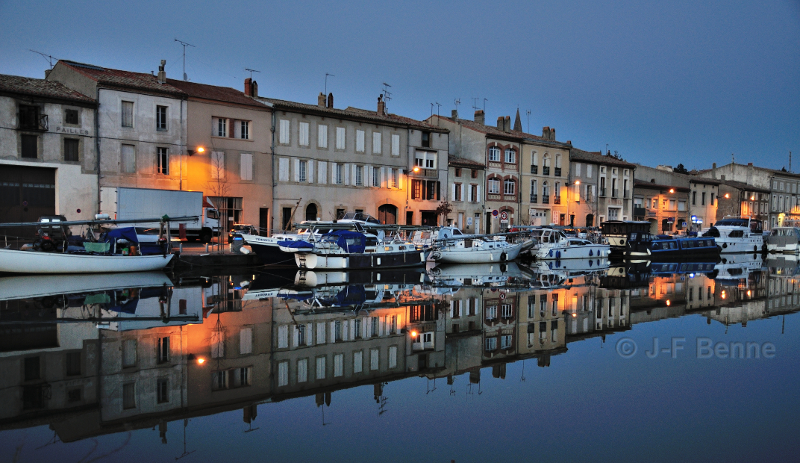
point(545, 170)
point(534, 198)
point(33, 121)
point(614, 193)
point(534, 169)
point(558, 172)
point(556, 199)
point(602, 192)
point(545, 199)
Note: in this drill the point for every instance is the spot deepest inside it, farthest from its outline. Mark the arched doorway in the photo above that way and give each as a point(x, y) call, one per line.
point(311, 212)
point(387, 214)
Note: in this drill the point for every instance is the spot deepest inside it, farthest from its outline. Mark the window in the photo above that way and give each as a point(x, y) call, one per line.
point(712, 199)
point(303, 134)
point(302, 169)
point(244, 130)
point(163, 161)
point(509, 187)
point(505, 341)
point(426, 139)
point(246, 341)
point(340, 138)
point(376, 143)
point(73, 361)
point(376, 177)
point(71, 116)
point(491, 312)
point(474, 195)
point(128, 396)
point(506, 311)
point(246, 166)
point(320, 370)
point(71, 149)
point(694, 198)
point(161, 118)
point(162, 390)
point(491, 344)
point(74, 395)
point(283, 134)
point(494, 186)
point(30, 146)
point(703, 198)
point(578, 169)
point(457, 188)
point(359, 141)
point(395, 145)
point(283, 373)
point(338, 174)
point(373, 359)
point(425, 159)
point(392, 356)
point(359, 175)
point(217, 165)
point(511, 156)
point(681, 206)
point(395, 178)
point(128, 353)
point(322, 136)
point(338, 365)
point(163, 350)
point(494, 154)
point(127, 114)
point(302, 370)
point(32, 369)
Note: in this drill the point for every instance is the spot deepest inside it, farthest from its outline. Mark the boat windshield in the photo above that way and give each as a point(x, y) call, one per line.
point(732, 223)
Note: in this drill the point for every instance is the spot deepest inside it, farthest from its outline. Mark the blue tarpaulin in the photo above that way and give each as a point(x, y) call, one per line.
point(128, 233)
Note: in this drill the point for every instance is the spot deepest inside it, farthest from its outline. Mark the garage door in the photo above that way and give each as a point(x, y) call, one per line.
point(26, 193)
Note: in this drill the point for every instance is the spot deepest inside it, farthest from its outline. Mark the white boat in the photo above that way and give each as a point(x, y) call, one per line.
point(462, 275)
point(554, 245)
point(783, 239)
point(737, 267)
point(453, 247)
point(738, 234)
point(343, 249)
point(15, 261)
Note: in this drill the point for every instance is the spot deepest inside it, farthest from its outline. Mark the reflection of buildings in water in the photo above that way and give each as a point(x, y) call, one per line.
point(761, 295)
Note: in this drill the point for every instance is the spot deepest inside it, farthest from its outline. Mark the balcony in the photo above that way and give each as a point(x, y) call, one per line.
point(545, 170)
point(558, 172)
point(428, 173)
point(615, 193)
point(30, 119)
point(602, 192)
point(545, 199)
point(534, 198)
point(534, 169)
point(556, 199)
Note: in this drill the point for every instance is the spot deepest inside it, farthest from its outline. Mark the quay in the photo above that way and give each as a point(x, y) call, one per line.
point(196, 255)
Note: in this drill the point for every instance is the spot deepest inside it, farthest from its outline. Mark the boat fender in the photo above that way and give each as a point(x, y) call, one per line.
point(558, 255)
point(590, 253)
point(503, 257)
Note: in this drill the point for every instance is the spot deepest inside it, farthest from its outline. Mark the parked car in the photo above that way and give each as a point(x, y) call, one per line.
point(241, 228)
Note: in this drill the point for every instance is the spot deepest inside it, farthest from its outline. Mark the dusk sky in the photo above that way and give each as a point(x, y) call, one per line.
point(659, 82)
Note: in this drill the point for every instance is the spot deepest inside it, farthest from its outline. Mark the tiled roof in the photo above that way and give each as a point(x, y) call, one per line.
point(720, 170)
point(744, 186)
point(595, 156)
point(461, 162)
point(125, 79)
point(349, 113)
point(495, 132)
point(41, 88)
point(212, 92)
point(707, 181)
point(645, 184)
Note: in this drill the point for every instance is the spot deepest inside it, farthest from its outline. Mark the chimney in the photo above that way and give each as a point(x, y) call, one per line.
point(162, 74)
point(507, 124)
point(546, 133)
point(248, 87)
point(254, 87)
point(321, 100)
point(47, 73)
point(330, 100)
point(454, 114)
point(381, 106)
point(480, 117)
point(500, 123)
point(714, 170)
point(553, 134)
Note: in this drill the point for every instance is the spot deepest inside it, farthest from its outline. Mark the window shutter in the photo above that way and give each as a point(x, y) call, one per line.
point(310, 173)
point(353, 176)
point(383, 177)
point(323, 172)
point(246, 166)
point(346, 174)
point(296, 174)
point(333, 332)
point(231, 128)
point(478, 194)
point(321, 333)
point(453, 192)
point(462, 191)
point(395, 145)
point(296, 337)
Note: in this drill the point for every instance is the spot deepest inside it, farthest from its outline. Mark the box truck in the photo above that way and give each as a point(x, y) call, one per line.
point(123, 203)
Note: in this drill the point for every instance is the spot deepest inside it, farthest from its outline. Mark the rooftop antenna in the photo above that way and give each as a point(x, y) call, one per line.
point(251, 72)
point(528, 116)
point(431, 109)
point(484, 104)
point(326, 83)
point(733, 159)
point(185, 44)
point(49, 58)
point(387, 95)
point(437, 109)
point(475, 103)
point(458, 102)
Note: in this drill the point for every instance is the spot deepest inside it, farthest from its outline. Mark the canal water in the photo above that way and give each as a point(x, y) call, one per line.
point(560, 362)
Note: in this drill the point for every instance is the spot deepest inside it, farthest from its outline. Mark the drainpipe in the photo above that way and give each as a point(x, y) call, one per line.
point(97, 145)
point(274, 183)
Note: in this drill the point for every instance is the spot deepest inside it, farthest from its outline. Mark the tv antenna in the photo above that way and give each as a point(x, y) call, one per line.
point(49, 58)
point(326, 83)
point(185, 44)
point(387, 95)
point(251, 72)
point(484, 104)
point(457, 102)
point(475, 103)
point(528, 116)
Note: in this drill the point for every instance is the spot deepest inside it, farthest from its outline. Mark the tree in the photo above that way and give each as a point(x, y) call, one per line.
point(444, 209)
point(680, 169)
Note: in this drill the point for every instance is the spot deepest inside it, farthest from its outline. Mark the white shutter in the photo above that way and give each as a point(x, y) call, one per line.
point(333, 332)
point(453, 192)
point(303, 134)
point(246, 341)
point(323, 172)
point(338, 365)
point(283, 373)
point(478, 194)
point(320, 368)
point(283, 336)
point(302, 370)
point(310, 173)
point(395, 145)
point(283, 169)
point(295, 336)
point(358, 361)
point(284, 132)
point(373, 359)
point(392, 356)
point(359, 141)
point(346, 174)
point(321, 333)
point(353, 176)
point(322, 136)
point(383, 177)
point(462, 191)
point(246, 166)
point(296, 173)
point(401, 179)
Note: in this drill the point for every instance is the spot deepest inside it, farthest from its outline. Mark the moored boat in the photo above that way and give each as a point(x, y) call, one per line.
point(738, 234)
point(555, 245)
point(783, 239)
point(476, 249)
point(15, 261)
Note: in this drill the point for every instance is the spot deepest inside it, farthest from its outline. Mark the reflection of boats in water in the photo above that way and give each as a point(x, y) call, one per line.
point(681, 268)
point(32, 286)
point(494, 274)
point(782, 265)
point(575, 266)
point(783, 239)
point(737, 266)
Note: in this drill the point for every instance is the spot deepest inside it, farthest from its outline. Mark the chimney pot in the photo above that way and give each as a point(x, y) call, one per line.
point(501, 123)
point(507, 124)
point(254, 89)
point(553, 134)
point(381, 106)
point(248, 90)
point(330, 100)
point(454, 114)
point(321, 100)
point(480, 117)
point(162, 74)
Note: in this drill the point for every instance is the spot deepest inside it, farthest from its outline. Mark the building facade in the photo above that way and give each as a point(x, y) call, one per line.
point(602, 187)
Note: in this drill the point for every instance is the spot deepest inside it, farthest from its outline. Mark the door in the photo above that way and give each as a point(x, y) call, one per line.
point(311, 212)
point(409, 217)
point(387, 214)
point(27, 193)
point(263, 221)
point(429, 218)
point(286, 219)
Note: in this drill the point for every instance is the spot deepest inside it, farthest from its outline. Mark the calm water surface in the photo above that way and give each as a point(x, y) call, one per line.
point(693, 362)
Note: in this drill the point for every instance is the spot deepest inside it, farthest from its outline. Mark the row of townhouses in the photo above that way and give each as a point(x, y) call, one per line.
point(272, 162)
point(86, 380)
